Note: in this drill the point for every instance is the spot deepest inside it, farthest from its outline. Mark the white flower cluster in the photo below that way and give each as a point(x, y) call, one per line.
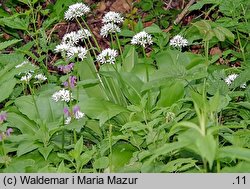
point(142, 38)
point(76, 10)
point(79, 114)
point(62, 95)
point(107, 56)
point(109, 28)
point(40, 77)
point(110, 20)
point(112, 17)
point(230, 78)
point(69, 44)
point(178, 41)
point(26, 78)
point(80, 51)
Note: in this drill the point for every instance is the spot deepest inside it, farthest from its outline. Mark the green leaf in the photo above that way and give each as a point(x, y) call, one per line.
point(234, 152)
point(45, 151)
point(101, 163)
point(101, 109)
point(153, 29)
point(19, 165)
point(78, 148)
point(227, 33)
point(207, 148)
point(220, 35)
point(62, 169)
point(15, 23)
point(6, 44)
point(8, 87)
point(178, 165)
point(130, 59)
point(121, 154)
point(49, 110)
point(163, 150)
point(171, 94)
point(26, 147)
point(24, 125)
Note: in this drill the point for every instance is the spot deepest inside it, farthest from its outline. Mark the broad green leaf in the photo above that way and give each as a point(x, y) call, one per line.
point(227, 33)
point(47, 109)
point(171, 94)
point(26, 147)
point(19, 165)
point(241, 167)
point(100, 109)
point(101, 163)
point(234, 152)
point(24, 125)
point(163, 150)
point(130, 59)
point(6, 44)
point(63, 169)
point(121, 154)
point(45, 151)
point(207, 148)
point(8, 87)
point(220, 35)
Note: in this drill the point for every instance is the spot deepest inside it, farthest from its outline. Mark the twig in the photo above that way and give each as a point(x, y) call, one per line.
point(181, 15)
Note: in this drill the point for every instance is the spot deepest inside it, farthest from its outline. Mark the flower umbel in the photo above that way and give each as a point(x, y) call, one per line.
point(26, 78)
point(108, 29)
point(178, 41)
point(76, 10)
point(62, 95)
point(142, 38)
point(79, 51)
point(40, 77)
point(112, 17)
point(107, 56)
point(71, 38)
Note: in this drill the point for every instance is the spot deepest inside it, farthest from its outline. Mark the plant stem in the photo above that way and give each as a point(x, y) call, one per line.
point(119, 46)
point(97, 45)
point(241, 47)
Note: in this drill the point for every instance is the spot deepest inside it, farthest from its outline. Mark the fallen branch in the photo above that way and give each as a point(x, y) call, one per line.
point(181, 15)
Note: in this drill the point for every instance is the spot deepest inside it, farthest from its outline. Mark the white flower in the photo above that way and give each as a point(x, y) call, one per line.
point(71, 38)
point(112, 17)
point(26, 78)
point(67, 120)
point(79, 114)
point(63, 47)
point(22, 64)
point(142, 38)
point(76, 10)
point(40, 77)
point(230, 78)
point(178, 41)
point(79, 51)
point(109, 28)
point(63, 95)
point(107, 56)
point(83, 34)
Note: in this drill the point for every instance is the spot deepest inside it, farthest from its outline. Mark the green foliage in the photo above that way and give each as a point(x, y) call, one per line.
point(158, 108)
